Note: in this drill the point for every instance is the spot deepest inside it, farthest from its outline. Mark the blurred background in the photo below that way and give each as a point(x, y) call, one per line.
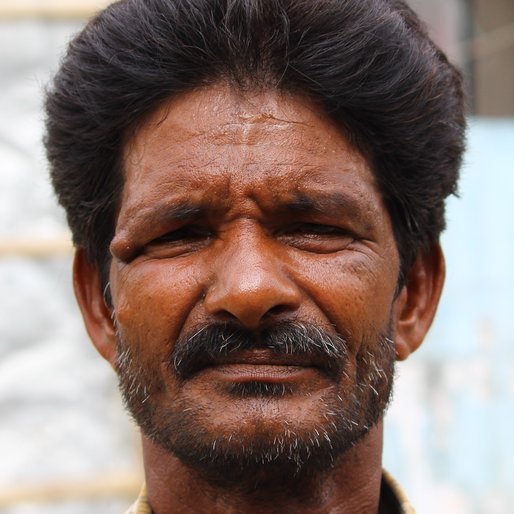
point(66, 445)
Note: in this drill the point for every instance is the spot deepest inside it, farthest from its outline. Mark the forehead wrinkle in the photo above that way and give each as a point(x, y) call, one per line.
point(241, 112)
point(242, 128)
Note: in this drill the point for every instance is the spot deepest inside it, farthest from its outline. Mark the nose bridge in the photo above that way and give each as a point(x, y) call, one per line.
point(250, 281)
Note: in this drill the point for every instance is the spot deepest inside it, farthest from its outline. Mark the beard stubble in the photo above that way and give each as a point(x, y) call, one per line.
point(270, 454)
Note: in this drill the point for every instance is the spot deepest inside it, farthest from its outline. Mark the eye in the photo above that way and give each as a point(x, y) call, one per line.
point(182, 234)
point(319, 230)
point(317, 237)
point(176, 242)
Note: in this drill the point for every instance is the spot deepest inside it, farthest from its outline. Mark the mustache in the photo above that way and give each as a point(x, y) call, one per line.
point(211, 343)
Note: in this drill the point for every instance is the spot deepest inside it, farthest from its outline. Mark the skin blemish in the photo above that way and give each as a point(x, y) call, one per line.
point(121, 249)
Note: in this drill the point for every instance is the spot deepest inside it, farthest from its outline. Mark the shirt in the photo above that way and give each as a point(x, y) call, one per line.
point(392, 499)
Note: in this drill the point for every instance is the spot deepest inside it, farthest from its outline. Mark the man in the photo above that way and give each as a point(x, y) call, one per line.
point(256, 191)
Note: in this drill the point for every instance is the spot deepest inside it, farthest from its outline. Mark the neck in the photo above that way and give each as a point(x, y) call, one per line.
point(351, 486)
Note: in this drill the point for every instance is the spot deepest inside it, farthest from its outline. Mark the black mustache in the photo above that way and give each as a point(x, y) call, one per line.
point(210, 343)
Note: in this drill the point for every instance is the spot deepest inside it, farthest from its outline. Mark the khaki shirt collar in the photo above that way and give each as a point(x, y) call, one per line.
point(141, 506)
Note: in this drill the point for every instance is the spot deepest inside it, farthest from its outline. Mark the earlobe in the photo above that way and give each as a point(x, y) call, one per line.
point(95, 312)
point(416, 305)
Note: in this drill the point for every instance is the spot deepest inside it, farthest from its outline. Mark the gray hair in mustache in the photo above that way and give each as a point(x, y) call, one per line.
point(211, 342)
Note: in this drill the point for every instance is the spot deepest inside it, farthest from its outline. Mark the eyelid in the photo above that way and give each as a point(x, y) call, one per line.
point(320, 228)
point(184, 232)
point(317, 238)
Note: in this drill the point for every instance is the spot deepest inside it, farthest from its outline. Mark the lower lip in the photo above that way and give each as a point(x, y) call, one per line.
point(262, 373)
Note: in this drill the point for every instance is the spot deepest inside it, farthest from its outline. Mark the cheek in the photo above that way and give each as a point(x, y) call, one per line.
point(354, 292)
point(153, 300)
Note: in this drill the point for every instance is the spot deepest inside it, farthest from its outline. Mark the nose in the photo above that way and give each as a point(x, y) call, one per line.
point(251, 285)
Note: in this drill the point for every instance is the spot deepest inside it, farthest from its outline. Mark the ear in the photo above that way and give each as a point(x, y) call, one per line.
point(97, 315)
point(414, 308)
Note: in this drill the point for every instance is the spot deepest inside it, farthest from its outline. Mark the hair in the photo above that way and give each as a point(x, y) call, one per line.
point(368, 64)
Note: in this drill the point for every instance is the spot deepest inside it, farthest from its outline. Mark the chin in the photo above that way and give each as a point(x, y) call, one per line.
point(257, 434)
point(261, 442)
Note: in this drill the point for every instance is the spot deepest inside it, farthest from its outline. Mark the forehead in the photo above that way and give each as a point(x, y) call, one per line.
point(221, 115)
point(218, 140)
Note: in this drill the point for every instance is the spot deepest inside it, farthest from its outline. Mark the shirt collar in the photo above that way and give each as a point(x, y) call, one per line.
point(141, 506)
point(392, 497)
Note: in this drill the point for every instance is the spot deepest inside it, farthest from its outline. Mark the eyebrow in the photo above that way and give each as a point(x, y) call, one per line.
point(184, 210)
point(313, 202)
point(166, 213)
point(322, 203)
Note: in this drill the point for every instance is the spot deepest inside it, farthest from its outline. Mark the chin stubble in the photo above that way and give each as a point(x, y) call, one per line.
point(264, 457)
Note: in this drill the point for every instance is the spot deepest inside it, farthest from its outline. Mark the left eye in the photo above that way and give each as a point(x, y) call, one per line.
point(318, 229)
point(317, 237)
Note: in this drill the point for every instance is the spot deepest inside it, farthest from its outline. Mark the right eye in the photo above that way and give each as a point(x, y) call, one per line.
point(180, 241)
point(182, 234)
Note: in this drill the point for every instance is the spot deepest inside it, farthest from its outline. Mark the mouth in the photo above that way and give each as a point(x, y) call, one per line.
point(260, 365)
point(278, 353)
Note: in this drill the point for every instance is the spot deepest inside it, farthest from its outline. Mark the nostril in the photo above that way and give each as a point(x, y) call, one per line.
point(225, 316)
point(277, 310)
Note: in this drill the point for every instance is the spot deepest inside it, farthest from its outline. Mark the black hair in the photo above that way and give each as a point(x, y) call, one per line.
point(369, 64)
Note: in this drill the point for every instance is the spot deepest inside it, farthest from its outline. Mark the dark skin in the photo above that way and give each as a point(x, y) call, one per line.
point(254, 207)
point(351, 487)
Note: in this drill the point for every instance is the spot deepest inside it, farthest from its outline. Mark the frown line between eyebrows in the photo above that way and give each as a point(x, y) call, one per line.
point(168, 213)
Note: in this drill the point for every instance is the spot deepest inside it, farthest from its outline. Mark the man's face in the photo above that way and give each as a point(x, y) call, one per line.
point(253, 279)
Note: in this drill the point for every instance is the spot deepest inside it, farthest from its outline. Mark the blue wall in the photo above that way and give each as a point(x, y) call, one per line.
point(450, 439)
